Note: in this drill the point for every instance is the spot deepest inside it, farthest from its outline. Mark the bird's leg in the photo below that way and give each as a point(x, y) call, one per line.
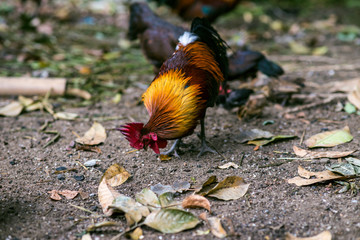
point(204, 147)
point(173, 149)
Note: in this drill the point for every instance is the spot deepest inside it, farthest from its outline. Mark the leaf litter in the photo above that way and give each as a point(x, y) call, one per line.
point(94, 136)
point(329, 138)
point(313, 155)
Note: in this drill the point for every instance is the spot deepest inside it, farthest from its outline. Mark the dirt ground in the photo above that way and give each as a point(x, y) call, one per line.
point(271, 207)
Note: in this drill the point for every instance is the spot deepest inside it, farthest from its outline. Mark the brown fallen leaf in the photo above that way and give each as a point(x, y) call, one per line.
point(354, 96)
point(216, 228)
point(116, 175)
point(87, 148)
point(69, 194)
point(328, 154)
point(106, 195)
point(94, 136)
point(305, 180)
point(325, 235)
point(55, 195)
point(194, 201)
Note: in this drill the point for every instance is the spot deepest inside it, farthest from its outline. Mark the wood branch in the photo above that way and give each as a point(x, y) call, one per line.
point(32, 86)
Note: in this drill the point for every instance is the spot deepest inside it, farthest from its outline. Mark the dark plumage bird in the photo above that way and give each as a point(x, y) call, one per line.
point(210, 9)
point(158, 38)
point(243, 64)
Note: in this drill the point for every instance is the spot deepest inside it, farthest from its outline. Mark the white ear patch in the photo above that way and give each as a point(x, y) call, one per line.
point(187, 38)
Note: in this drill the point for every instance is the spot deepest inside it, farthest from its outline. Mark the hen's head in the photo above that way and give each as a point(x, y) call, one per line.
point(140, 139)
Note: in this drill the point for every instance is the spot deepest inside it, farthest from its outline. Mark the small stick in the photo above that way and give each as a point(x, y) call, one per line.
point(56, 137)
point(302, 137)
point(117, 237)
point(82, 165)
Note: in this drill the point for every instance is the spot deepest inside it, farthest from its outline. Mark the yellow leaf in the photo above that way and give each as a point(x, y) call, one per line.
point(116, 175)
point(11, 110)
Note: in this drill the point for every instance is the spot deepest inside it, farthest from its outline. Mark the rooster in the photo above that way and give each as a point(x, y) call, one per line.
point(210, 9)
point(187, 84)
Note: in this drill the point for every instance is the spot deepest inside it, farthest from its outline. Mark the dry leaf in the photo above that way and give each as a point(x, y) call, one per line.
point(230, 188)
point(228, 165)
point(94, 136)
point(86, 237)
point(136, 234)
point(164, 157)
point(325, 235)
point(106, 195)
point(329, 138)
point(78, 93)
point(96, 226)
point(69, 194)
point(116, 175)
point(25, 101)
point(55, 195)
point(65, 116)
point(319, 177)
point(354, 96)
point(206, 186)
point(216, 228)
point(11, 110)
point(328, 154)
point(193, 201)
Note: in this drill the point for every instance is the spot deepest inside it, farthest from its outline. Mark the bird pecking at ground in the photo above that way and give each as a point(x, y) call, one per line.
point(178, 97)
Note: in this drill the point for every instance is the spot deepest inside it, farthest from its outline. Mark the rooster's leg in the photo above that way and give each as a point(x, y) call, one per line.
point(204, 147)
point(173, 149)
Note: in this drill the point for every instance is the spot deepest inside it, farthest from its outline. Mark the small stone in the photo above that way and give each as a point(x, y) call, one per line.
point(79, 177)
point(210, 171)
point(60, 168)
point(91, 163)
point(60, 177)
point(71, 218)
point(12, 162)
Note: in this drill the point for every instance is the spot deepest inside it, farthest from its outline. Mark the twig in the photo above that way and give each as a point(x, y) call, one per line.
point(77, 135)
point(82, 165)
point(85, 210)
point(302, 137)
point(117, 237)
point(241, 160)
point(56, 137)
point(314, 104)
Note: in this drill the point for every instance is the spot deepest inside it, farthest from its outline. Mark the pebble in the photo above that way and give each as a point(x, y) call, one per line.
point(210, 171)
point(60, 176)
point(79, 177)
point(12, 162)
point(60, 168)
point(91, 163)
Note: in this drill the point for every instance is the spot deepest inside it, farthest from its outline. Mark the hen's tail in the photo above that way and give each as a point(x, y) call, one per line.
point(270, 68)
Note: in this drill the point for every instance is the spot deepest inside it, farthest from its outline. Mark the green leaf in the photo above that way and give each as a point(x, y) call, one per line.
point(148, 198)
point(128, 205)
point(171, 220)
point(353, 161)
point(329, 138)
point(345, 169)
point(350, 108)
point(262, 142)
point(166, 199)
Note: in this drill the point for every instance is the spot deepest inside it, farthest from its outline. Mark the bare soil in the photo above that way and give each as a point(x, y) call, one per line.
point(271, 207)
